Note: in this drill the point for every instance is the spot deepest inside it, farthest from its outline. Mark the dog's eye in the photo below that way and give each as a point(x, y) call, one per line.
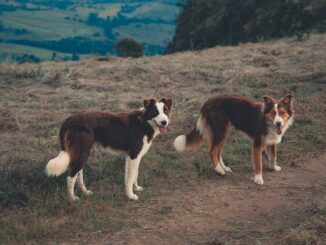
point(282, 113)
point(154, 113)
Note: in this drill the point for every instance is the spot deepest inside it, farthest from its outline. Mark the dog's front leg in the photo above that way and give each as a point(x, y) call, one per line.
point(130, 176)
point(137, 187)
point(257, 158)
point(272, 158)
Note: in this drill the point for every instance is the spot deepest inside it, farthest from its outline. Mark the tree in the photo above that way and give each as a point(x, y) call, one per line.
point(108, 28)
point(74, 57)
point(207, 23)
point(128, 47)
point(92, 19)
point(54, 56)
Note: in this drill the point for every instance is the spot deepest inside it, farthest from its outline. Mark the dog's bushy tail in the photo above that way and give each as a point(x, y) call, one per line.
point(192, 140)
point(58, 165)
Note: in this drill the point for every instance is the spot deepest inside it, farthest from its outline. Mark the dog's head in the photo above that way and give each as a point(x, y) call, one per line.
point(157, 113)
point(278, 113)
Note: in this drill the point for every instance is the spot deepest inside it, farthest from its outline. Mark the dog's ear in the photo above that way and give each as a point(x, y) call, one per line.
point(268, 103)
point(287, 100)
point(268, 99)
point(147, 103)
point(167, 102)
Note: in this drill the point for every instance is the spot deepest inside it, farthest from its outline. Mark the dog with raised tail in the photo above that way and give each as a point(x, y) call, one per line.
point(265, 123)
point(130, 133)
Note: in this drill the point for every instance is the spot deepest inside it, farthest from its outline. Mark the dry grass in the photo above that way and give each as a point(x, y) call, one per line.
point(34, 99)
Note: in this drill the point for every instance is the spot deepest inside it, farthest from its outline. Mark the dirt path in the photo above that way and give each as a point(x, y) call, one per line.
point(230, 209)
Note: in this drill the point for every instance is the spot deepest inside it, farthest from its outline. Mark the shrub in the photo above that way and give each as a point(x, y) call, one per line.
point(128, 47)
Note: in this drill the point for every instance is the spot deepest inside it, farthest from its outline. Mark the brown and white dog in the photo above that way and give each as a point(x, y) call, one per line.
point(131, 133)
point(264, 122)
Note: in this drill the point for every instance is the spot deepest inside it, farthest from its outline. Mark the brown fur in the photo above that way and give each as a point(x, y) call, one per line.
point(222, 111)
point(123, 132)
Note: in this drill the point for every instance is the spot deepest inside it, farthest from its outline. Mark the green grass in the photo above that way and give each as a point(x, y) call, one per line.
point(45, 25)
point(155, 10)
point(7, 49)
point(155, 34)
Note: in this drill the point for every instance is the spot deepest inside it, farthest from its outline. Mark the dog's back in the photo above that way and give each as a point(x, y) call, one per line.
point(243, 113)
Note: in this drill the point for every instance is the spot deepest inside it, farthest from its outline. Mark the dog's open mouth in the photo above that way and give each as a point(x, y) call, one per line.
point(278, 129)
point(161, 128)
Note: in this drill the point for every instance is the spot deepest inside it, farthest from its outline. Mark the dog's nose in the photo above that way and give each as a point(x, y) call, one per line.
point(278, 124)
point(164, 123)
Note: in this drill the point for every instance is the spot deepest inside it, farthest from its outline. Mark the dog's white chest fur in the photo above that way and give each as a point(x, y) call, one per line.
point(272, 138)
point(145, 148)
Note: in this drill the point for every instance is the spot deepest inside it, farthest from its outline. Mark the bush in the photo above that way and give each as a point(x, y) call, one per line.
point(128, 47)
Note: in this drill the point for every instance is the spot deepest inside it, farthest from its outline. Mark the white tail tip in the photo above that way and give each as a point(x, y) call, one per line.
point(58, 165)
point(180, 143)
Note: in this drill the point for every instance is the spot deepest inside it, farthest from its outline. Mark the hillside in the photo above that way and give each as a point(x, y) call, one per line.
point(83, 27)
point(206, 23)
point(184, 200)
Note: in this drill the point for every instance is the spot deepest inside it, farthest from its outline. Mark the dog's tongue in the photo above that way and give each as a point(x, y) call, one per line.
point(162, 130)
point(279, 130)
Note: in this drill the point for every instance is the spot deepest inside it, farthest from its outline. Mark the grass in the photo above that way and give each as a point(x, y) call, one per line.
point(46, 24)
point(311, 229)
point(34, 99)
point(155, 10)
point(155, 34)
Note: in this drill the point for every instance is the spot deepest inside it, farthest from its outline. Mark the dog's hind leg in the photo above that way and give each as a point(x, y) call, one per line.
point(80, 181)
point(71, 186)
point(226, 169)
point(215, 159)
point(257, 158)
point(225, 137)
point(221, 132)
point(79, 144)
point(76, 165)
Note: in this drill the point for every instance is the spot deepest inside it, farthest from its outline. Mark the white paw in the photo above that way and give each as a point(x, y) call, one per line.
point(228, 169)
point(219, 169)
point(139, 188)
point(74, 198)
point(259, 179)
point(88, 192)
point(277, 168)
point(133, 197)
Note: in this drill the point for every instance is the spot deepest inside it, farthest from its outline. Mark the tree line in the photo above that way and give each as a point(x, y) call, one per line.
point(207, 23)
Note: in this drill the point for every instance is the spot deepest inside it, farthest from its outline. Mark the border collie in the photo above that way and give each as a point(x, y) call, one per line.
point(131, 133)
point(264, 122)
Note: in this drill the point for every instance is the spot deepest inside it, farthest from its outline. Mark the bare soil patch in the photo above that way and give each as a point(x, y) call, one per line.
point(232, 210)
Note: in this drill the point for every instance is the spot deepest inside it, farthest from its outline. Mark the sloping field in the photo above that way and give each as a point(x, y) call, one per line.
point(184, 200)
point(46, 24)
point(7, 49)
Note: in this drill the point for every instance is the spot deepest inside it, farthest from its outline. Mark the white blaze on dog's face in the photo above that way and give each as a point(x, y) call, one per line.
point(158, 112)
point(278, 113)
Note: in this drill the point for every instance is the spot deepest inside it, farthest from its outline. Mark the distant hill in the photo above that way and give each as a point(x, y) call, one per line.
point(206, 23)
point(67, 28)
